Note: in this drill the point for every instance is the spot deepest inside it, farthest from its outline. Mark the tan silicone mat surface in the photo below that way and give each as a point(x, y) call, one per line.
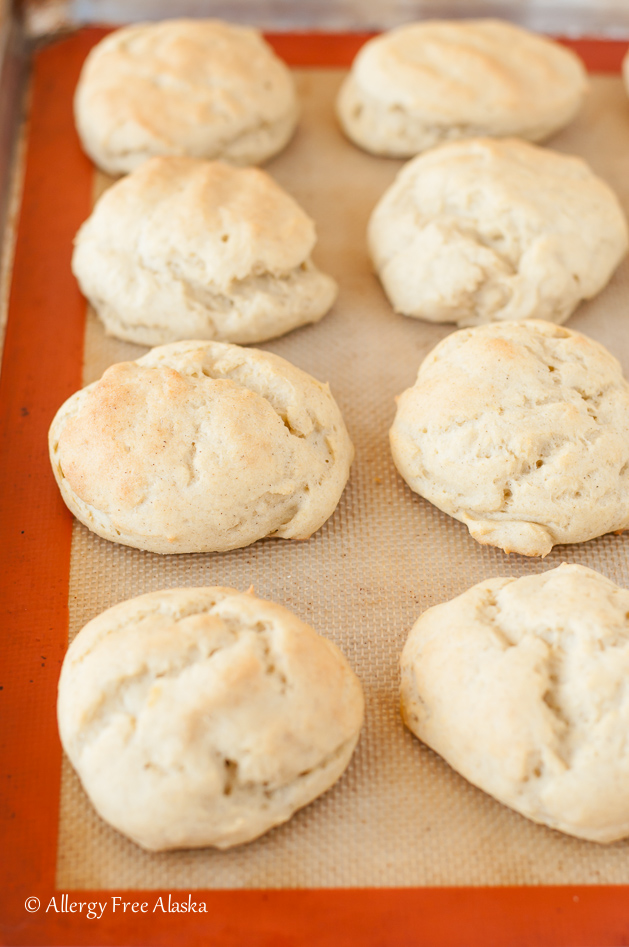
point(400, 816)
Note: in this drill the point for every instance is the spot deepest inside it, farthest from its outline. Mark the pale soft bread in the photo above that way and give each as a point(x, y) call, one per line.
point(485, 230)
point(522, 685)
point(205, 716)
point(201, 447)
point(425, 83)
point(191, 249)
point(202, 88)
point(521, 431)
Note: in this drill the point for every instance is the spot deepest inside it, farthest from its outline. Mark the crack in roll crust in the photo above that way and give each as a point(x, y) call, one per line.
point(205, 716)
point(482, 231)
point(201, 88)
point(426, 83)
point(187, 249)
point(521, 685)
point(201, 447)
point(521, 431)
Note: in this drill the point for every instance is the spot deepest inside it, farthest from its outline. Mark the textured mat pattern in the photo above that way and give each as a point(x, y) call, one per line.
point(400, 816)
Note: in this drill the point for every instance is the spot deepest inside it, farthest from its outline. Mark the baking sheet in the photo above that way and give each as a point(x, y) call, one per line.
point(400, 816)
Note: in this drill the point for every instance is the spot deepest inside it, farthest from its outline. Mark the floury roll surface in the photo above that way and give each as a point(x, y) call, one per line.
point(521, 685)
point(188, 249)
point(521, 431)
point(206, 716)
point(201, 88)
point(201, 447)
point(423, 84)
point(488, 231)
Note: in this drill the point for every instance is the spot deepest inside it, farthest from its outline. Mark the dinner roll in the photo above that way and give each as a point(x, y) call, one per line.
point(521, 431)
point(190, 249)
point(201, 447)
point(521, 685)
point(483, 230)
point(201, 88)
point(426, 83)
point(206, 716)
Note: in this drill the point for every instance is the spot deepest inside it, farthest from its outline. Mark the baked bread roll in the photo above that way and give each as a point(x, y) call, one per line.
point(201, 447)
point(482, 230)
point(201, 88)
point(423, 84)
point(521, 431)
point(206, 716)
point(189, 249)
point(521, 685)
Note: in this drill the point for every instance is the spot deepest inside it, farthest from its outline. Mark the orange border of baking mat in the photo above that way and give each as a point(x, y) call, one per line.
point(41, 368)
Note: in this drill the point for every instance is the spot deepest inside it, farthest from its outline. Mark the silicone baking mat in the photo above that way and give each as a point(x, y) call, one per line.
point(402, 850)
